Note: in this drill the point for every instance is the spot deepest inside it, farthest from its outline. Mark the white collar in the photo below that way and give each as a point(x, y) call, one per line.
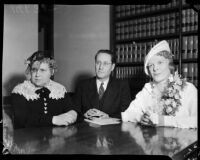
point(105, 83)
point(27, 89)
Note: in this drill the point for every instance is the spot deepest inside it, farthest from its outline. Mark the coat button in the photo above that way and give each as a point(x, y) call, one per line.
point(45, 104)
point(45, 112)
point(45, 108)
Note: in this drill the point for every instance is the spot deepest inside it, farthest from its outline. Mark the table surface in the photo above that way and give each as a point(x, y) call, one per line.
point(117, 139)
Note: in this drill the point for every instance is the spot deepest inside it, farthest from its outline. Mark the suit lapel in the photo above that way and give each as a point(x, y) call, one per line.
point(108, 94)
point(93, 94)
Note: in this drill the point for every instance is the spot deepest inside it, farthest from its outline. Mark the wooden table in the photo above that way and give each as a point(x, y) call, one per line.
point(118, 139)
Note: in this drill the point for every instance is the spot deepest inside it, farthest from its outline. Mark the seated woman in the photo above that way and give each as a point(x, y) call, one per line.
point(40, 101)
point(166, 101)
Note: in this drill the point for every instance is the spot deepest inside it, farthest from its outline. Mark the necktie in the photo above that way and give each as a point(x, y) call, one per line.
point(101, 91)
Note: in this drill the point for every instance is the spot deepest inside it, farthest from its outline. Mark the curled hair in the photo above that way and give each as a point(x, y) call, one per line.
point(41, 56)
point(168, 56)
point(113, 57)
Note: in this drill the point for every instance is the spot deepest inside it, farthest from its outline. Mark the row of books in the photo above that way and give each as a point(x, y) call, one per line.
point(189, 47)
point(189, 20)
point(190, 72)
point(131, 72)
point(148, 26)
point(136, 52)
point(128, 10)
point(156, 25)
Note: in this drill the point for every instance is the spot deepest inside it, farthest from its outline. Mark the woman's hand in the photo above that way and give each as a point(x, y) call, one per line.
point(146, 119)
point(95, 113)
point(65, 118)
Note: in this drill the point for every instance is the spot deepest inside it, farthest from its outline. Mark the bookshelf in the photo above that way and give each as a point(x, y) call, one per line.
point(136, 28)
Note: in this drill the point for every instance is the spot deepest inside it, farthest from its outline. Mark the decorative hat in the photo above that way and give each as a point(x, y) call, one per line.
point(161, 46)
point(37, 56)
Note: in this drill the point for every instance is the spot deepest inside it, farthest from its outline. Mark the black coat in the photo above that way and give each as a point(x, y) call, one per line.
point(115, 100)
point(40, 111)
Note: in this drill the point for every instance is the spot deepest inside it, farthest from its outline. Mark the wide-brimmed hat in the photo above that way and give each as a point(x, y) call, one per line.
point(160, 46)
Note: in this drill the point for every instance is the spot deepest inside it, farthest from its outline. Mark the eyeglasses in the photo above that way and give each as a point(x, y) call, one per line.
point(102, 63)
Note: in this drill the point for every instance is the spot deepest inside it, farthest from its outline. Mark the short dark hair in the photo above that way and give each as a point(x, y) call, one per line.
point(113, 56)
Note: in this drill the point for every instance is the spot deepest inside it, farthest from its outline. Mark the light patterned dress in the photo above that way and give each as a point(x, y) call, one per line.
point(146, 100)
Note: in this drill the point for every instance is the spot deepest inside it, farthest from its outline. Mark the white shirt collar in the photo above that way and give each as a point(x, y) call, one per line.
point(105, 83)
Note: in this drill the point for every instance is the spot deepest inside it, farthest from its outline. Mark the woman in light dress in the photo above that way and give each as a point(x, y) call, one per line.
point(167, 100)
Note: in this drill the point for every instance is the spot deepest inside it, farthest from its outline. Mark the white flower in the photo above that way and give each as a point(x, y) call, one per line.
point(171, 78)
point(176, 96)
point(173, 104)
point(167, 102)
point(168, 109)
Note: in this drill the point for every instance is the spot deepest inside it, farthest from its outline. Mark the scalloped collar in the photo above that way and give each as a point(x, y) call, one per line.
point(27, 89)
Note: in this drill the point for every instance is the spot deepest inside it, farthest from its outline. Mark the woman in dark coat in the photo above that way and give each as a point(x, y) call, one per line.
point(40, 101)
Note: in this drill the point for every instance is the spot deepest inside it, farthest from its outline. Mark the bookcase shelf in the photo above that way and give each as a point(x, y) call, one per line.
point(136, 29)
point(151, 38)
point(150, 13)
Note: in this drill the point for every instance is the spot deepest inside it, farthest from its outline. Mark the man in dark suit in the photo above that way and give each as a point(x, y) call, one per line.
point(103, 95)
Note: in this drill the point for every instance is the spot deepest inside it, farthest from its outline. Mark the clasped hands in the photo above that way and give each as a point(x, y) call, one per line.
point(65, 118)
point(95, 113)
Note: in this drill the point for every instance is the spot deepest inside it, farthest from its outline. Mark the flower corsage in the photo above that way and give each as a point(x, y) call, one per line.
point(170, 99)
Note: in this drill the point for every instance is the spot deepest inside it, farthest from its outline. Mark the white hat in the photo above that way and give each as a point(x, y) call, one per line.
point(161, 46)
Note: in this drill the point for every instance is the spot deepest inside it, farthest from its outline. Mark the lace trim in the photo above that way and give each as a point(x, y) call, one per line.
point(27, 89)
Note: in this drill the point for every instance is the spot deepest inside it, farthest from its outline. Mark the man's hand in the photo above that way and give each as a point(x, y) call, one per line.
point(95, 113)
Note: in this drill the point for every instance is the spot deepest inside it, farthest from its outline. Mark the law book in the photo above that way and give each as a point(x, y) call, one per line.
point(116, 72)
point(117, 10)
point(177, 22)
point(126, 47)
point(131, 29)
point(176, 47)
point(184, 47)
point(185, 71)
point(183, 20)
point(158, 25)
point(195, 78)
point(162, 24)
point(139, 52)
point(192, 20)
point(190, 72)
point(167, 23)
point(132, 9)
point(118, 53)
point(139, 27)
point(195, 47)
point(196, 21)
point(136, 28)
point(126, 30)
point(148, 30)
point(153, 26)
point(117, 31)
point(187, 20)
point(190, 47)
point(121, 54)
point(127, 10)
point(130, 52)
point(122, 10)
point(135, 52)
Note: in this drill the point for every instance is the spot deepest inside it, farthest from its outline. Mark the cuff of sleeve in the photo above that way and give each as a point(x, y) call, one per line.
point(154, 118)
point(124, 117)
